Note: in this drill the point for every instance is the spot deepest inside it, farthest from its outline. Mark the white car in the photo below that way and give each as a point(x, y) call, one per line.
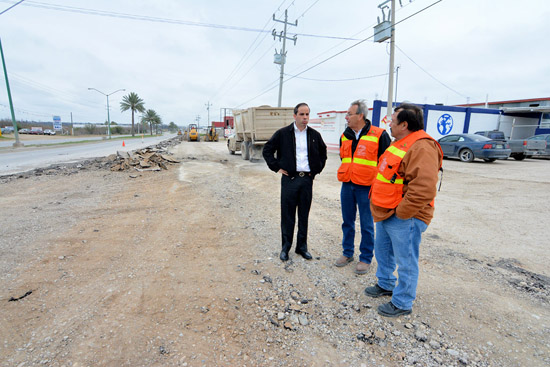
point(49, 132)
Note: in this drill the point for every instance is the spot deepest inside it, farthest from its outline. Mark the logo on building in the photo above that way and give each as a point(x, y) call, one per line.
point(445, 124)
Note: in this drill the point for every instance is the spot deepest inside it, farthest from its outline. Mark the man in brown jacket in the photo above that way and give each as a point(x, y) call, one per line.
point(402, 199)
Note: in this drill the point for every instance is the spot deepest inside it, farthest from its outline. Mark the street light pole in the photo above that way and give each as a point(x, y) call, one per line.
point(108, 114)
point(396, 80)
point(17, 142)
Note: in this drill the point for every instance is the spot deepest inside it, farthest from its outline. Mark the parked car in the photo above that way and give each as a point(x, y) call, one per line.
point(467, 147)
point(49, 132)
point(521, 148)
point(542, 137)
point(23, 131)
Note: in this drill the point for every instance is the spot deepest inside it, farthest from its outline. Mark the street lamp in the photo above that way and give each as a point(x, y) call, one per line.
point(108, 115)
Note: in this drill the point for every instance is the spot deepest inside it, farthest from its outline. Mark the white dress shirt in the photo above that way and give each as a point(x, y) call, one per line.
point(302, 163)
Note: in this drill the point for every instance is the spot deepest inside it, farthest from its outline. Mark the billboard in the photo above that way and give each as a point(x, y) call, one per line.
point(57, 123)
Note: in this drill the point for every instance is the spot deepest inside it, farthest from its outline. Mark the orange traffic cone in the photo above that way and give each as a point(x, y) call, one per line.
point(123, 144)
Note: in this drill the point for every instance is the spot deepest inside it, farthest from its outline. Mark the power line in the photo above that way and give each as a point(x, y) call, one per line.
point(338, 80)
point(29, 112)
point(244, 57)
point(341, 52)
point(103, 13)
point(430, 75)
point(363, 40)
point(39, 86)
point(13, 6)
point(311, 6)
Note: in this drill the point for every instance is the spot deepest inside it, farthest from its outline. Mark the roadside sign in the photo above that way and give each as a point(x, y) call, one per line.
point(57, 123)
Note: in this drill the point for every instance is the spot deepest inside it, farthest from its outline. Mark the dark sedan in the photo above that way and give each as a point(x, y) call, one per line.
point(467, 147)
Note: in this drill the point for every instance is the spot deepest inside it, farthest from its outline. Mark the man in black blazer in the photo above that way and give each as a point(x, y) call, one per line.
point(299, 153)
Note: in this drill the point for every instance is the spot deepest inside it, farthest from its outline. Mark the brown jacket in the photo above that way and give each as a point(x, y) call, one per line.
point(419, 169)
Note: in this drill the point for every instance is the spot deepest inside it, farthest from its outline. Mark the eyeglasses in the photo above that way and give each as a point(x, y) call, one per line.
point(351, 114)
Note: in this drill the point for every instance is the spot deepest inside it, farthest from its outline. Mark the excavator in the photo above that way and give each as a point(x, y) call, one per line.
point(211, 135)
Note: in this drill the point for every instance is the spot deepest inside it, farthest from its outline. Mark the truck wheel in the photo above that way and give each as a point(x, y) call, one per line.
point(466, 155)
point(245, 150)
point(228, 148)
point(519, 156)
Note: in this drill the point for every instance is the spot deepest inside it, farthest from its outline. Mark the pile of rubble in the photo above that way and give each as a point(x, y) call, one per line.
point(148, 159)
point(152, 158)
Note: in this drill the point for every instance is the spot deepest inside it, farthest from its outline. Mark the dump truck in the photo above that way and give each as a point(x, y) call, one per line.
point(254, 126)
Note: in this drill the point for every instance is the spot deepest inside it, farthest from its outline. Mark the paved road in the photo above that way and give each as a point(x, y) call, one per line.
point(28, 158)
point(45, 140)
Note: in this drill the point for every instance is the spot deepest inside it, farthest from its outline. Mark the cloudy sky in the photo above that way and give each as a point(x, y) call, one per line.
point(180, 55)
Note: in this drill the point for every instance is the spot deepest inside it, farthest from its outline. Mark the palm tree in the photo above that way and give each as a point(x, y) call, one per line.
point(150, 117)
point(134, 103)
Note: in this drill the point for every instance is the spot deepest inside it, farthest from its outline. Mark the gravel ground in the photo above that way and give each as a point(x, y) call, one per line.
point(181, 268)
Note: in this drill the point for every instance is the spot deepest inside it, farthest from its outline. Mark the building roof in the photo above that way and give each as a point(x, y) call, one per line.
point(543, 109)
point(506, 102)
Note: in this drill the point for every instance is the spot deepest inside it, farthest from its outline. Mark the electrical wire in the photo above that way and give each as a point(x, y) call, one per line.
point(311, 6)
point(344, 50)
point(233, 85)
point(67, 96)
point(13, 6)
point(245, 56)
point(430, 75)
point(338, 80)
point(87, 11)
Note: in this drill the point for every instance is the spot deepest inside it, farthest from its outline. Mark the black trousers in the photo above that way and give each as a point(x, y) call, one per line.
point(296, 193)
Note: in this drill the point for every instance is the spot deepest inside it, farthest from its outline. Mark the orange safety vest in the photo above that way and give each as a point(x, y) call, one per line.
point(387, 188)
point(361, 167)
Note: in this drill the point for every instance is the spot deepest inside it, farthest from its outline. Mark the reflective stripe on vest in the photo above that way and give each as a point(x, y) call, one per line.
point(398, 181)
point(387, 188)
point(361, 167)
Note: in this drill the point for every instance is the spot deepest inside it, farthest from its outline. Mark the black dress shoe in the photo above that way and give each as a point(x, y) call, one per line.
point(283, 256)
point(306, 255)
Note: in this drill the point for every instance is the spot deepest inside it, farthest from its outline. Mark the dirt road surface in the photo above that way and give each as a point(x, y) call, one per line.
point(181, 268)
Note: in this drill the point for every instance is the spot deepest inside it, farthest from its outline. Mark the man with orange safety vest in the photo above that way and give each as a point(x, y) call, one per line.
point(360, 146)
point(402, 205)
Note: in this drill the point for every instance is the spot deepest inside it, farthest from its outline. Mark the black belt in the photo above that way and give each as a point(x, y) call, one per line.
point(302, 174)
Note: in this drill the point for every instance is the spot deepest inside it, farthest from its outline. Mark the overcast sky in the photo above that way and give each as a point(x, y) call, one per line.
point(180, 55)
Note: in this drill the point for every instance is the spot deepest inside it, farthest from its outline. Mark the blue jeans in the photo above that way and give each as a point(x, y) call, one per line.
point(354, 196)
point(398, 243)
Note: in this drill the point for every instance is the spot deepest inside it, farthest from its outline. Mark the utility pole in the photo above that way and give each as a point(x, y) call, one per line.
point(382, 31)
point(17, 142)
point(392, 52)
point(197, 120)
point(224, 114)
point(281, 58)
point(208, 110)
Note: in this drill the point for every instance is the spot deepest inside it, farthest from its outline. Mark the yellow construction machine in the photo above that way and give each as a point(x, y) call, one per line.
point(212, 134)
point(193, 133)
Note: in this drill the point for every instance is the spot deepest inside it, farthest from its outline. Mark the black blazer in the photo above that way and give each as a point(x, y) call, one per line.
point(280, 151)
